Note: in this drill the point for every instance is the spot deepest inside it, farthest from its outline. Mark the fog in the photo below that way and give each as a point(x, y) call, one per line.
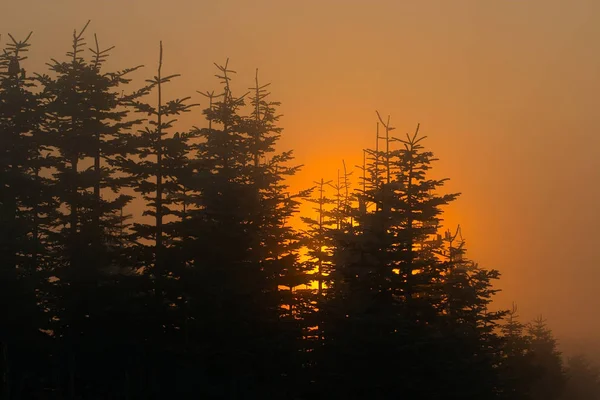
point(506, 92)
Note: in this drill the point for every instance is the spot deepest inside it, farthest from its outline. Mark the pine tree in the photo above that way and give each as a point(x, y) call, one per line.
point(240, 238)
point(516, 368)
point(87, 123)
point(24, 208)
point(318, 237)
point(279, 242)
point(342, 199)
point(214, 242)
point(153, 173)
point(387, 277)
point(471, 344)
point(207, 295)
point(318, 242)
point(547, 360)
point(159, 159)
point(583, 379)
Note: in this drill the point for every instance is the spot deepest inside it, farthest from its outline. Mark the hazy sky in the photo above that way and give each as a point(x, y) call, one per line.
point(506, 90)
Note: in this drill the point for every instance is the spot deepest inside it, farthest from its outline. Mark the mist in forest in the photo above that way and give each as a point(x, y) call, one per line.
point(270, 198)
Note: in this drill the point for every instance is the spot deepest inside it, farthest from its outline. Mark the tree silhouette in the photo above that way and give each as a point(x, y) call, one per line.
point(387, 278)
point(318, 238)
point(516, 368)
point(208, 294)
point(24, 213)
point(154, 170)
point(471, 345)
point(237, 235)
point(547, 360)
point(86, 124)
point(583, 379)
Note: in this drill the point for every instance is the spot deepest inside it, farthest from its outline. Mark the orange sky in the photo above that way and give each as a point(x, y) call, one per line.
point(506, 90)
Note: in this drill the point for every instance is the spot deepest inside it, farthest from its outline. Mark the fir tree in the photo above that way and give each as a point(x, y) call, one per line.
point(241, 239)
point(153, 173)
point(86, 125)
point(24, 210)
point(583, 379)
point(516, 368)
point(550, 379)
point(158, 160)
point(470, 345)
point(318, 237)
point(318, 241)
point(206, 295)
point(387, 277)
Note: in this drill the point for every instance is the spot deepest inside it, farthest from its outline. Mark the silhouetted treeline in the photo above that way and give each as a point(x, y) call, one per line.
point(214, 292)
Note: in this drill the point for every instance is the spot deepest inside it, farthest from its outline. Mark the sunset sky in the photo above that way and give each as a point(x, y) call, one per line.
point(507, 92)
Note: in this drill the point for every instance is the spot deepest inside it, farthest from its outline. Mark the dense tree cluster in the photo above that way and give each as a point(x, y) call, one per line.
point(214, 292)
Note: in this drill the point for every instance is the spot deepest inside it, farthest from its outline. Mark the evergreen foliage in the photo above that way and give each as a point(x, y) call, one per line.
point(393, 294)
point(215, 291)
point(26, 210)
point(583, 379)
point(547, 360)
point(85, 123)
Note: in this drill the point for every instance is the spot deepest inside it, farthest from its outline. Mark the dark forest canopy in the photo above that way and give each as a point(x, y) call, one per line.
point(215, 292)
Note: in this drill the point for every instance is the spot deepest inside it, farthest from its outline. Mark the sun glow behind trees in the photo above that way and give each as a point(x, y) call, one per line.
point(213, 290)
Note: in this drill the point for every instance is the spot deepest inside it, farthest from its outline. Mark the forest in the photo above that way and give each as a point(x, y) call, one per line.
point(222, 288)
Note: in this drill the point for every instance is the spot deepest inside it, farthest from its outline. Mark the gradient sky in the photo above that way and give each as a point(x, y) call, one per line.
point(506, 90)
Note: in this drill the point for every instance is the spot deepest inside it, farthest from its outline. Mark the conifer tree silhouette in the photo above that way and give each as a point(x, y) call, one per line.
point(516, 368)
point(318, 238)
point(25, 209)
point(583, 379)
point(154, 170)
point(550, 378)
point(469, 342)
point(387, 280)
point(87, 123)
point(207, 294)
point(239, 237)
